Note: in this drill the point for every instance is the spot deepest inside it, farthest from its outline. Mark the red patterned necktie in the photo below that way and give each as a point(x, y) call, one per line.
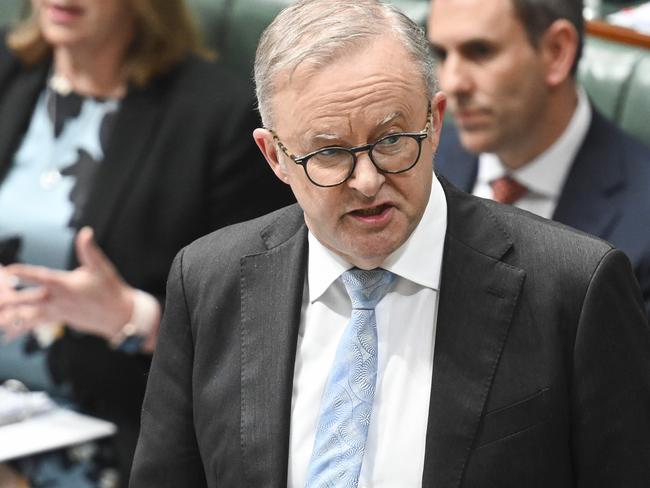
point(507, 190)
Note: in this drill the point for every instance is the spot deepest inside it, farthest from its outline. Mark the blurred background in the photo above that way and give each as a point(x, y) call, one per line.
point(615, 67)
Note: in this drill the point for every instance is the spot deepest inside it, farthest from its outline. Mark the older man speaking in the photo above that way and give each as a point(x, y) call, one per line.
point(389, 330)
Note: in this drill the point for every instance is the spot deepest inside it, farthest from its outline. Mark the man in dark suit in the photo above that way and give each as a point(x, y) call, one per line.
point(525, 131)
point(487, 347)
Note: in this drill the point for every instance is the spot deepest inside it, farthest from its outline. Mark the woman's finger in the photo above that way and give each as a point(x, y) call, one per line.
point(90, 255)
point(19, 322)
point(35, 275)
point(29, 296)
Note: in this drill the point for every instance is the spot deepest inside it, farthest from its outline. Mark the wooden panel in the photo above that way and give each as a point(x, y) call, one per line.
point(615, 33)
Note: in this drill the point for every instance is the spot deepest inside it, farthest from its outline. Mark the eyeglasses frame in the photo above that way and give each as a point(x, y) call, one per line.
point(302, 161)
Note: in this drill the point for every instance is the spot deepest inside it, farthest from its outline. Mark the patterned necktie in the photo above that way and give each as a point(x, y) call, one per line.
point(346, 406)
point(507, 190)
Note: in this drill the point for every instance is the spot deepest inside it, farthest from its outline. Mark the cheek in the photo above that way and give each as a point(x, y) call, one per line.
point(414, 191)
point(321, 215)
point(105, 18)
point(36, 5)
point(527, 94)
point(293, 175)
point(313, 200)
point(520, 71)
point(102, 22)
point(504, 75)
point(501, 83)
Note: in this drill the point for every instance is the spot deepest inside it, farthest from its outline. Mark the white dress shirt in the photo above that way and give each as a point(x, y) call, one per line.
point(406, 323)
point(545, 175)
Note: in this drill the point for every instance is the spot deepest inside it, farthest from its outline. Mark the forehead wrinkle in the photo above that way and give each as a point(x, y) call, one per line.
point(340, 123)
point(334, 114)
point(363, 90)
point(353, 105)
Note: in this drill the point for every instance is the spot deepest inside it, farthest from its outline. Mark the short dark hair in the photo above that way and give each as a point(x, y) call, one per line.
point(538, 15)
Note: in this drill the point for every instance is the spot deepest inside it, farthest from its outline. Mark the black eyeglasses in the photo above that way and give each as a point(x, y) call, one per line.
point(332, 166)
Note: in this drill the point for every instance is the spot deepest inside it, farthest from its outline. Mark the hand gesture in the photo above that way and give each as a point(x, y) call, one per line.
point(92, 298)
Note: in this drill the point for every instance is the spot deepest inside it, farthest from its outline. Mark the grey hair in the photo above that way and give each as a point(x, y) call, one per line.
point(321, 31)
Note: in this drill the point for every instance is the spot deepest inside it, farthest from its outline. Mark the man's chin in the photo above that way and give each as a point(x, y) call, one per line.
point(372, 251)
point(477, 140)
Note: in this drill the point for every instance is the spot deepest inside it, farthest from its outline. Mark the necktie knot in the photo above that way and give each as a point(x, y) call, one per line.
point(366, 288)
point(507, 190)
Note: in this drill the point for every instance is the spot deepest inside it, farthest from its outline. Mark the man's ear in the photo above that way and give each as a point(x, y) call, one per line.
point(438, 105)
point(559, 47)
point(264, 140)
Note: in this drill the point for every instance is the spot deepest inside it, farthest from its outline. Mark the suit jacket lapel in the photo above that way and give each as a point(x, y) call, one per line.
point(134, 127)
point(588, 200)
point(478, 294)
point(18, 101)
point(272, 291)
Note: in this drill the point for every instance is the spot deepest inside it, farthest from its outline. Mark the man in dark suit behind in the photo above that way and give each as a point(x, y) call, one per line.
point(525, 131)
point(498, 349)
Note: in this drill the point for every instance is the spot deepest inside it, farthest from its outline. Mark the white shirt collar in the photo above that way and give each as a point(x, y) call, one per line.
point(428, 238)
point(545, 175)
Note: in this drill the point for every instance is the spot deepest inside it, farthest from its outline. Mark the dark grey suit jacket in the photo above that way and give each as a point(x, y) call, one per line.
point(607, 191)
point(541, 372)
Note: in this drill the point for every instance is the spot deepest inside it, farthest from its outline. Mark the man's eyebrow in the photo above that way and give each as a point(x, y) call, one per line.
point(477, 41)
point(325, 138)
point(390, 118)
point(320, 138)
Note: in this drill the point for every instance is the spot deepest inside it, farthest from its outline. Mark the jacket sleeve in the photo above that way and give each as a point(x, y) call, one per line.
point(167, 453)
point(611, 381)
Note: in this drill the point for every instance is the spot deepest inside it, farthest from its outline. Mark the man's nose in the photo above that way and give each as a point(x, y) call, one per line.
point(454, 76)
point(366, 179)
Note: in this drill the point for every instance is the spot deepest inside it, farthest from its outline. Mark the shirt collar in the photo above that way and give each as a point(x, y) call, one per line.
point(545, 175)
point(324, 266)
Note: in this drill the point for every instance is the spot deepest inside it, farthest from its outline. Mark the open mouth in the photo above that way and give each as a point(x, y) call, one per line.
point(371, 212)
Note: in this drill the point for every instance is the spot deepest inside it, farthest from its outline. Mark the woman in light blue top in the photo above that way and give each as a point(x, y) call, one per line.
point(109, 119)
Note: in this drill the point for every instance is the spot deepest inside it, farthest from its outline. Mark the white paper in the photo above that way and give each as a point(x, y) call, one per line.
point(19, 405)
point(52, 430)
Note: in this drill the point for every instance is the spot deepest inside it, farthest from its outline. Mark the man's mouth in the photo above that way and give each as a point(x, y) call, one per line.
point(371, 211)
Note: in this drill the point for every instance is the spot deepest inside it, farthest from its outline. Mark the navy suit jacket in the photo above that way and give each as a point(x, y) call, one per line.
point(607, 191)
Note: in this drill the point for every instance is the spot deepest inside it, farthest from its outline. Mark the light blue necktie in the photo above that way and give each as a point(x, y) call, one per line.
point(346, 406)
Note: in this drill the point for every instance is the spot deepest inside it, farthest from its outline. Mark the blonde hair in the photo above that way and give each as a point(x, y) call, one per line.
point(165, 34)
